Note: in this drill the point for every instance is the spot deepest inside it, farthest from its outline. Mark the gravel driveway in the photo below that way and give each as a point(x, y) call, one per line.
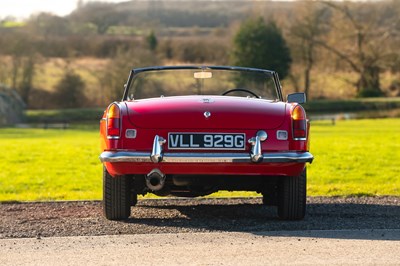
point(54, 219)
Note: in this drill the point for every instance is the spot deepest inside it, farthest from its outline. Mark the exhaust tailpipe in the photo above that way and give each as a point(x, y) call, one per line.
point(155, 180)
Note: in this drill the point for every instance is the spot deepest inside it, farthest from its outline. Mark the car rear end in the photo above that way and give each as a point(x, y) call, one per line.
point(194, 145)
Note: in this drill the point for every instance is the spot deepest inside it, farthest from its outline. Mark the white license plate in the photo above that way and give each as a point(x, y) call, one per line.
point(206, 141)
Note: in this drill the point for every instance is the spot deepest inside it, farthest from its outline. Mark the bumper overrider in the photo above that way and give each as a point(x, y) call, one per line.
point(157, 155)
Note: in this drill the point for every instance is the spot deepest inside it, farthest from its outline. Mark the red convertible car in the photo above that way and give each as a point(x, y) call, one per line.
point(193, 130)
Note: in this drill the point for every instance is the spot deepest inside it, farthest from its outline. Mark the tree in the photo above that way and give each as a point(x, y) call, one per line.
point(28, 73)
point(23, 65)
point(361, 35)
point(152, 41)
point(101, 14)
point(70, 91)
point(261, 45)
point(47, 25)
point(112, 80)
point(307, 29)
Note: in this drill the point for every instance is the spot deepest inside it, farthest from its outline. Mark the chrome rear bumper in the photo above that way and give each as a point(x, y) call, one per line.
point(157, 155)
point(143, 157)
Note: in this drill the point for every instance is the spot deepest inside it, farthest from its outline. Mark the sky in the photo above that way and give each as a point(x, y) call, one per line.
point(24, 8)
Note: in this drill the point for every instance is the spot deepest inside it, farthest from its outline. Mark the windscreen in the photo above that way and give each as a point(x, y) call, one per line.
point(175, 82)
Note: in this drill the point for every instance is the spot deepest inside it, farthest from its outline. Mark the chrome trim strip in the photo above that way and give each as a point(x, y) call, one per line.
point(303, 139)
point(145, 157)
point(124, 157)
point(113, 137)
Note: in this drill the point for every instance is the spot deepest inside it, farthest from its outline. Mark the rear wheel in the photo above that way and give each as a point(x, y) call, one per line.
point(117, 196)
point(292, 197)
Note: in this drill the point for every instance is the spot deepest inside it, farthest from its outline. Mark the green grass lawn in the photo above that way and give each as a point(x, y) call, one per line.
point(55, 164)
point(355, 157)
point(358, 157)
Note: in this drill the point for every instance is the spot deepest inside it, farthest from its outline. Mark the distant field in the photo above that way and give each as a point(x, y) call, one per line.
point(369, 107)
point(325, 84)
point(354, 157)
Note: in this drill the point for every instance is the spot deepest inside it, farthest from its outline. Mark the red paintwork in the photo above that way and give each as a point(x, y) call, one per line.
point(186, 112)
point(158, 116)
point(251, 169)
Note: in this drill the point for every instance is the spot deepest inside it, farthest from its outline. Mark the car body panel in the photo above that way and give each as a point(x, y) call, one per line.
point(246, 169)
point(187, 112)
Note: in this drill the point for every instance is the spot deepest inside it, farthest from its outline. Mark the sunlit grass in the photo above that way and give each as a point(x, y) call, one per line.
point(42, 164)
point(357, 157)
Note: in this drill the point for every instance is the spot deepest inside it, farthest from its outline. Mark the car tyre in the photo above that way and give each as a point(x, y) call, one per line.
point(117, 196)
point(292, 197)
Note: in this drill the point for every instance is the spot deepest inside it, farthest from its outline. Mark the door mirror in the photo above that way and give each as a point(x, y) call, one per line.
point(298, 97)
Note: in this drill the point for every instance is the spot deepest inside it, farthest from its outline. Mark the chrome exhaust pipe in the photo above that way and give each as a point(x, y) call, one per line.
point(155, 180)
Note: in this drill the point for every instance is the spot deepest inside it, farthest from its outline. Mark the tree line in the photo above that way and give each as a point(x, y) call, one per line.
point(297, 39)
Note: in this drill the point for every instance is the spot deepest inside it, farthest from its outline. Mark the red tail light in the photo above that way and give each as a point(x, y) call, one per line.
point(299, 122)
point(113, 122)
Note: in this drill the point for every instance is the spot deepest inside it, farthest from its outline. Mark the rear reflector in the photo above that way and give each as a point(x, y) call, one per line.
point(130, 133)
point(113, 122)
point(282, 135)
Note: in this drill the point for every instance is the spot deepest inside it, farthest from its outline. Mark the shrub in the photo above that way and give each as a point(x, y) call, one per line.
point(70, 91)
